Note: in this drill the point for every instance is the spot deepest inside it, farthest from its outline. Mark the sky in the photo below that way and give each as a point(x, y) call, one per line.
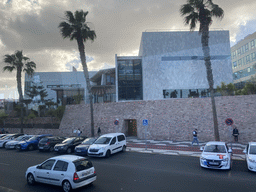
point(32, 26)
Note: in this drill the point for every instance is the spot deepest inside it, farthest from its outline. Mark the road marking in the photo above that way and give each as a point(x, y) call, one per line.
point(4, 164)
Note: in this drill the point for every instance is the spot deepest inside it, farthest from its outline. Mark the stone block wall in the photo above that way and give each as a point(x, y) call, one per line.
point(170, 119)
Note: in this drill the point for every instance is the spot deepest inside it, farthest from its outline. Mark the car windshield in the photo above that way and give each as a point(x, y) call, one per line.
point(103, 140)
point(252, 150)
point(88, 141)
point(6, 137)
point(68, 140)
point(19, 138)
point(33, 138)
point(215, 148)
point(44, 140)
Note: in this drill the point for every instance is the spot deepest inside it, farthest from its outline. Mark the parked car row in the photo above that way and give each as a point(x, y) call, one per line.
point(103, 146)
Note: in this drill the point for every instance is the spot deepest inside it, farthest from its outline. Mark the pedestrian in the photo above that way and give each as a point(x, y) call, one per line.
point(195, 137)
point(79, 132)
point(235, 133)
point(99, 131)
point(3, 131)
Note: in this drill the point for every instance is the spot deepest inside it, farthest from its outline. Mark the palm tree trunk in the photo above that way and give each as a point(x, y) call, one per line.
point(207, 59)
point(86, 75)
point(19, 87)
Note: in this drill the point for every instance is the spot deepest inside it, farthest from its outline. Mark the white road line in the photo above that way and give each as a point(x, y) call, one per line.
point(4, 164)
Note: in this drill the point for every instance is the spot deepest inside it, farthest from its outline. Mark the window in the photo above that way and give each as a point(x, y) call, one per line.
point(246, 47)
point(82, 164)
point(239, 51)
point(113, 141)
point(249, 69)
point(253, 56)
point(234, 64)
point(239, 62)
point(252, 44)
point(120, 138)
point(61, 166)
point(48, 164)
point(247, 59)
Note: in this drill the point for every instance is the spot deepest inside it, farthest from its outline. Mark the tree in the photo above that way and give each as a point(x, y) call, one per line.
point(203, 11)
point(36, 90)
point(226, 90)
point(20, 63)
point(76, 27)
point(249, 88)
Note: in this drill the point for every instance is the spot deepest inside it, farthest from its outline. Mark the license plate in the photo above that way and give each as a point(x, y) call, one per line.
point(78, 150)
point(40, 147)
point(213, 163)
point(18, 147)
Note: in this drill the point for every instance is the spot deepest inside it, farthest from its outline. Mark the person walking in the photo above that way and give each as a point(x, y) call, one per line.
point(195, 137)
point(79, 132)
point(99, 131)
point(235, 133)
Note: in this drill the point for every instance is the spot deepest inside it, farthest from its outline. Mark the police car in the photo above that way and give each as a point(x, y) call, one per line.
point(216, 155)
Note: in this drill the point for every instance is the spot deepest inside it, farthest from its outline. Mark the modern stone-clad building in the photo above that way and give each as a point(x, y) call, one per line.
point(244, 60)
point(171, 65)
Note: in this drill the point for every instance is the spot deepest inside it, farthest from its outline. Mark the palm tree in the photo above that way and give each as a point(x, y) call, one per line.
point(76, 27)
point(20, 63)
point(203, 11)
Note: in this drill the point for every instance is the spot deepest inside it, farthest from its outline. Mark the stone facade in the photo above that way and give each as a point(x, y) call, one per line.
point(171, 119)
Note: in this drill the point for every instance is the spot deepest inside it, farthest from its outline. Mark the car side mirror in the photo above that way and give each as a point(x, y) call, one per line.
point(201, 148)
point(39, 167)
point(244, 151)
point(230, 150)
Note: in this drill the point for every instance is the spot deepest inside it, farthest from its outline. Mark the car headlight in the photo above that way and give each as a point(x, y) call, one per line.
point(225, 159)
point(203, 158)
point(102, 148)
point(251, 160)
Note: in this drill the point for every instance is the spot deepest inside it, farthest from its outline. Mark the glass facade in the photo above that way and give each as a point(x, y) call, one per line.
point(129, 79)
point(187, 93)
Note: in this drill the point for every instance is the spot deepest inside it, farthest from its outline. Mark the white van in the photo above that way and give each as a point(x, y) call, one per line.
point(108, 144)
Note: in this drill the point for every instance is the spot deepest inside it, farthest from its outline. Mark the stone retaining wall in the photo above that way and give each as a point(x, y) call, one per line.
point(171, 119)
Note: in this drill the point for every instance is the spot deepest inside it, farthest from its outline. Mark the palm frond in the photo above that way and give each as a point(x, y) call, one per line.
point(88, 35)
point(66, 29)
point(9, 68)
point(217, 11)
point(186, 9)
point(70, 17)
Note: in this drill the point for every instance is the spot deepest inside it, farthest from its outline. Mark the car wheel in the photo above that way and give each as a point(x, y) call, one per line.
point(69, 150)
point(30, 179)
point(30, 147)
point(51, 149)
point(124, 148)
point(4, 145)
point(108, 154)
point(66, 186)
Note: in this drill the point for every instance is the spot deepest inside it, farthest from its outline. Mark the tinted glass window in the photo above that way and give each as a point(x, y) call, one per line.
point(48, 164)
point(120, 138)
point(113, 141)
point(252, 149)
point(88, 141)
point(82, 164)
point(103, 140)
point(61, 166)
point(215, 148)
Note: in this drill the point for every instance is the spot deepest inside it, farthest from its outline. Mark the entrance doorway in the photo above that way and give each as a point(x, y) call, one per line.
point(131, 127)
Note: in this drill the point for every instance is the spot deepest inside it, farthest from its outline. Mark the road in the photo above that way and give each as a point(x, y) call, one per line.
point(133, 172)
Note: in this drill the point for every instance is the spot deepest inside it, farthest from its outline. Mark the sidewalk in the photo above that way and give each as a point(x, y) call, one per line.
point(176, 148)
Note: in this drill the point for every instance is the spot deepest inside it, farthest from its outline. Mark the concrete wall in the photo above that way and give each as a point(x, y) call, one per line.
point(170, 119)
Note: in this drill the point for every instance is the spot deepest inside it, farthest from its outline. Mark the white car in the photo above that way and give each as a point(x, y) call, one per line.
point(68, 171)
point(108, 144)
point(12, 144)
point(250, 156)
point(216, 155)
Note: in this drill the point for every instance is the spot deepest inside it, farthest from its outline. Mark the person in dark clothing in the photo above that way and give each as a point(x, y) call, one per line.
point(195, 137)
point(99, 131)
point(235, 133)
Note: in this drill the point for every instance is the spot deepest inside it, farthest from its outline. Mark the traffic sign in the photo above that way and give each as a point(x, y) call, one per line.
point(145, 122)
point(229, 121)
point(116, 122)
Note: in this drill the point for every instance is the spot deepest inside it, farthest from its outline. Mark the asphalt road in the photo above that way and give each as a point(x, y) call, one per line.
point(133, 172)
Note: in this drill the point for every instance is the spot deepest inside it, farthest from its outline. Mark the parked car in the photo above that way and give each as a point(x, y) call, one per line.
point(9, 137)
point(83, 147)
point(68, 171)
point(48, 143)
point(250, 156)
point(30, 144)
point(216, 155)
point(12, 144)
point(108, 144)
point(2, 135)
point(69, 144)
